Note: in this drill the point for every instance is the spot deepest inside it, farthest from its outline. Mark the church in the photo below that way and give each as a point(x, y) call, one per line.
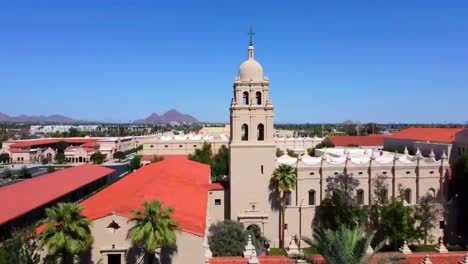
point(253, 160)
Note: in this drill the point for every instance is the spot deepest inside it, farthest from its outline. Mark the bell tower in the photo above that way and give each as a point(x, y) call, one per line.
point(252, 147)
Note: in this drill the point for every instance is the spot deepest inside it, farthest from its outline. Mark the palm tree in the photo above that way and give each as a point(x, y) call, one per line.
point(153, 228)
point(67, 232)
point(344, 245)
point(282, 181)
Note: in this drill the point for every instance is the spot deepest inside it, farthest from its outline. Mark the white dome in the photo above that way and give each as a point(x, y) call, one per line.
point(251, 70)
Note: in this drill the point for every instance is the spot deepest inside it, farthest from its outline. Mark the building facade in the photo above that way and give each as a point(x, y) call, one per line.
point(253, 160)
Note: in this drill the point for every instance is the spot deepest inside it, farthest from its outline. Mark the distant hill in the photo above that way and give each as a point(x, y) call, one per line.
point(37, 119)
point(168, 117)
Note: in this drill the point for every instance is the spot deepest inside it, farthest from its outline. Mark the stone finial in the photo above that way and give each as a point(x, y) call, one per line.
point(369, 250)
point(440, 247)
point(405, 249)
point(373, 155)
point(208, 254)
point(249, 250)
point(444, 155)
point(293, 249)
point(432, 155)
point(406, 152)
point(465, 259)
point(426, 260)
point(253, 260)
point(395, 156)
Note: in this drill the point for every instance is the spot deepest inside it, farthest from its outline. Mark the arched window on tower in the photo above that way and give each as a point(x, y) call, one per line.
point(245, 132)
point(260, 132)
point(258, 98)
point(311, 197)
point(245, 98)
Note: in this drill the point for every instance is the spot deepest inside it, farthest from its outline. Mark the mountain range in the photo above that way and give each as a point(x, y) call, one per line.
point(37, 119)
point(168, 117)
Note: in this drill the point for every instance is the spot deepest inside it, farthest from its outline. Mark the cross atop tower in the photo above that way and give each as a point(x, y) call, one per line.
point(251, 33)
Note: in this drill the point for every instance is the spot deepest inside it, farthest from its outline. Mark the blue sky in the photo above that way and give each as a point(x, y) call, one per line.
point(328, 61)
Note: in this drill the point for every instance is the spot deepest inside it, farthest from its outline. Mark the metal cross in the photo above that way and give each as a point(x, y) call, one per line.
point(251, 33)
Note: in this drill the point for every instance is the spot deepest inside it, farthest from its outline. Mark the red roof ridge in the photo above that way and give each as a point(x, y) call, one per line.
point(432, 134)
point(171, 181)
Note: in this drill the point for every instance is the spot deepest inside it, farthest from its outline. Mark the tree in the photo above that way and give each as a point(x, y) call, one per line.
point(120, 155)
point(20, 248)
point(291, 153)
point(279, 152)
point(153, 228)
point(459, 193)
point(24, 173)
point(50, 169)
point(135, 163)
point(7, 172)
point(220, 165)
point(67, 232)
point(60, 158)
point(426, 214)
point(343, 246)
point(74, 132)
point(203, 155)
point(398, 223)
point(340, 206)
point(4, 158)
point(98, 157)
point(61, 146)
point(227, 238)
point(282, 181)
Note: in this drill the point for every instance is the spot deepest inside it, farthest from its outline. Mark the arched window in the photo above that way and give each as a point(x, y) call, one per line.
point(287, 198)
point(245, 132)
point(407, 196)
point(258, 98)
point(245, 98)
point(311, 197)
point(360, 196)
point(260, 132)
point(432, 192)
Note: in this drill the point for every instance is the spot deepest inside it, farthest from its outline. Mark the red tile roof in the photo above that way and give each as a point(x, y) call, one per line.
point(48, 141)
point(178, 182)
point(440, 135)
point(262, 260)
point(361, 141)
point(414, 258)
point(23, 197)
point(436, 258)
point(216, 187)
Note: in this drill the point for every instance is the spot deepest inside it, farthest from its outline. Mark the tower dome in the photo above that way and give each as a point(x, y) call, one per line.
point(251, 70)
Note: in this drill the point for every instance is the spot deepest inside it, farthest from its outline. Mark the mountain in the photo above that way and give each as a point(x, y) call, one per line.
point(37, 119)
point(168, 117)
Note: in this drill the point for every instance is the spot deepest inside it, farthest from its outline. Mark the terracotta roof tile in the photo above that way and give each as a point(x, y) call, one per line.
point(216, 187)
point(361, 141)
point(178, 182)
point(23, 197)
point(440, 135)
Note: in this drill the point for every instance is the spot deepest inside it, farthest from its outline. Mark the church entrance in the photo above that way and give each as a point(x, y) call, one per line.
point(114, 259)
